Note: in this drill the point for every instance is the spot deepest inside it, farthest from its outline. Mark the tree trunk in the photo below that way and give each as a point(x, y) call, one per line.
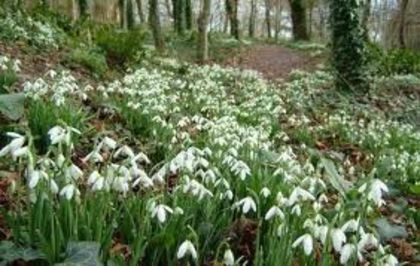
point(252, 18)
point(232, 11)
point(188, 15)
point(401, 32)
point(268, 18)
point(298, 14)
point(279, 11)
point(83, 8)
point(179, 11)
point(203, 21)
point(366, 18)
point(140, 11)
point(154, 22)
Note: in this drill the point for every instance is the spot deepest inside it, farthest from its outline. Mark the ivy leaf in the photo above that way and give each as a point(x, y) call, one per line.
point(388, 231)
point(12, 105)
point(336, 180)
point(10, 253)
point(82, 254)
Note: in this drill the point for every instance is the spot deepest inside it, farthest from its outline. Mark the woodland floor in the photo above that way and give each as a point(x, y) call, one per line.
point(274, 61)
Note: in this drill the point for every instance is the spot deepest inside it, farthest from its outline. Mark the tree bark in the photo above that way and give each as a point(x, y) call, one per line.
point(140, 11)
point(278, 25)
point(403, 10)
point(154, 21)
point(203, 22)
point(298, 14)
point(252, 19)
point(188, 15)
point(366, 18)
point(268, 18)
point(232, 11)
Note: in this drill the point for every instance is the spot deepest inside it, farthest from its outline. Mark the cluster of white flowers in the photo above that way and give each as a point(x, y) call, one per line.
point(20, 26)
point(57, 87)
point(7, 64)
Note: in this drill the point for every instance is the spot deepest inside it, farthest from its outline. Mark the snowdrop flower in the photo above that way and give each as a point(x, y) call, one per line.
point(265, 192)
point(321, 232)
point(141, 157)
point(186, 248)
point(274, 212)
point(20, 152)
point(338, 239)
point(377, 189)
point(346, 253)
point(124, 151)
point(299, 194)
point(53, 186)
point(306, 241)
point(69, 191)
point(14, 145)
point(390, 260)
point(247, 204)
point(367, 240)
point(109, 143)
point(296, 210)
point(94, 156)
point(350, 226)
point(160, 211)
point(74, 172)
point(34, 178)
point(228, 258)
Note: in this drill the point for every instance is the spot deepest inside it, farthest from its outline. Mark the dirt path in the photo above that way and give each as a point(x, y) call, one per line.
point(275, 61)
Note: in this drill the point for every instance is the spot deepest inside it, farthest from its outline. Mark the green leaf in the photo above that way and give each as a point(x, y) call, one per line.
point(9, 253)
point(82, 254)
point(388, 231)
point(12, 105)
point(336, 180)
point(415, 189)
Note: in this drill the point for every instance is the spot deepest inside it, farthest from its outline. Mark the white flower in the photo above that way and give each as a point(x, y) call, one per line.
point(321, 232)
point(346, 253)
point(14, 145)
point(265, 192)
point(228, 258)
point(306, 241)
point(34, 178)
point(377, 189)
point(69, 191)
point(125, 151)
point(274, 212)
point(247, 204)
point(367, 240)
point(160, 211)
point(338, 239)
point(141, 157)
point(74, 172)
point(20, 152)
point(186, 248)
point(57, 135)
point(296, 210)
point(109, 143)
point(390, 260)
point(350, 226)
point(299, 194)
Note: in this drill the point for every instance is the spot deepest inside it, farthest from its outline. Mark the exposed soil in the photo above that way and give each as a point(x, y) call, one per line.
point(274, 61)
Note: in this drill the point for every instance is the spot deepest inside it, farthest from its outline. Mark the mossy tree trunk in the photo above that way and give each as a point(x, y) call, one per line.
point(348, 46)
point(298, 15)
